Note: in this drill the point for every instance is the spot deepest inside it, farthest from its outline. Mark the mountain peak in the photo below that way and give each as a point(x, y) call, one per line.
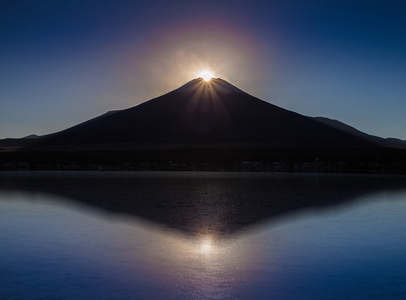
point(216, 85)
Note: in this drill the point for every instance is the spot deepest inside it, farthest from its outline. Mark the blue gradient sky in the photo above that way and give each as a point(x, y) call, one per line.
point(64, 62)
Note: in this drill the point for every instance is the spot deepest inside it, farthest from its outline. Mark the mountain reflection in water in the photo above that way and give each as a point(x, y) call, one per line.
point(202, 203)
point(191, 236)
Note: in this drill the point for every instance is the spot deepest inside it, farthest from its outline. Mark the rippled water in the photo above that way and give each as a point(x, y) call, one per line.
point(201, 236)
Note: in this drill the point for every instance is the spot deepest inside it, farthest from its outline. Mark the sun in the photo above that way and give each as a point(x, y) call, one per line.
point(206, 75)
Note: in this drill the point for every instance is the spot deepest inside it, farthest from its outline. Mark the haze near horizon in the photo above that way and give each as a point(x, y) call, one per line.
point(68, 61)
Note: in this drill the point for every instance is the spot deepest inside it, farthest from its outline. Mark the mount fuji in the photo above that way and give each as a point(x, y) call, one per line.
point(205, 113)
point(207, 125)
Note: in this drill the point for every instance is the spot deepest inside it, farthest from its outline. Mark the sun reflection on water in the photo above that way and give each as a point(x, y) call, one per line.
point(206, 245)
point(203, 266)
point(208, 268)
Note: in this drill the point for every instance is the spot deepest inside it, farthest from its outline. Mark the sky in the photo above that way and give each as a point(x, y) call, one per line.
point(65, 62)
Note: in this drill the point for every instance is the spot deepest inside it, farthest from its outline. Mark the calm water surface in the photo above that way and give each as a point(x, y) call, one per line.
point(201, 236)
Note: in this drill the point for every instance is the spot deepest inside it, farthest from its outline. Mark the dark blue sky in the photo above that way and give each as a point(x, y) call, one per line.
point(64, 62)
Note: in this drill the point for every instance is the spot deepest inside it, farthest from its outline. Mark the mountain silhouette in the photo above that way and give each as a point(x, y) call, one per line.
point(204, 113)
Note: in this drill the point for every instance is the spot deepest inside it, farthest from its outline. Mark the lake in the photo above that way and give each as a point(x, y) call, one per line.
point(197, 235)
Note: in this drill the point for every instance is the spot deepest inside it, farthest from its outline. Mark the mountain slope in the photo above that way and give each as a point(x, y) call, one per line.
point(205, 113)
point(375, 139)
point(349, 129)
